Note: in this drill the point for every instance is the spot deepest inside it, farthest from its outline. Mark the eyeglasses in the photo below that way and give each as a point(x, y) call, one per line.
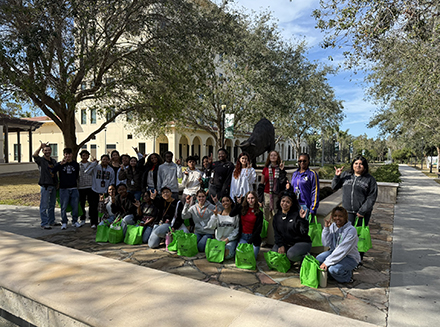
point(299, 161)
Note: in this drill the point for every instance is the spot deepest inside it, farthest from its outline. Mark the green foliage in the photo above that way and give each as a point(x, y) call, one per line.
point(401, 155)
point(387, 173)
point(328, 171)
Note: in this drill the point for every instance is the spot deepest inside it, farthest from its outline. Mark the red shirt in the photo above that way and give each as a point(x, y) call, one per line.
point(266, 178)
point(248, 221)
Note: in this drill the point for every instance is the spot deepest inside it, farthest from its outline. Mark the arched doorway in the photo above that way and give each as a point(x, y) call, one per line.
point(162, 145)
point(183, 147)
point(196, 148)
point(209, 147)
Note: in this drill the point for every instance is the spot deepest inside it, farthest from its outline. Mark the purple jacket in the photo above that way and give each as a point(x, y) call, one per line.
point(306, 187)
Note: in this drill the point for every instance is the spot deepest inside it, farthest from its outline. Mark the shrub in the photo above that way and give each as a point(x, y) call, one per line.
point(387, 173)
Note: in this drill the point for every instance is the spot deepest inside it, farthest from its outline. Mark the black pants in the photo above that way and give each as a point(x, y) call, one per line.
point(93, 208)
point(84, 195)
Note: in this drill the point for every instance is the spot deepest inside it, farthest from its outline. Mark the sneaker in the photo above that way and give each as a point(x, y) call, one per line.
point(360, 264)
point(82, 222)
point(55, 224)
point(46, 227)
point(64, 226)
point(93, 226)
point(77, 225)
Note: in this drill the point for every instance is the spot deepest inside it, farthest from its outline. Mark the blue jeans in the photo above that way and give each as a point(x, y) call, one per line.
point(127, 220)
point(137, 194)
point(146, 234)
point(109, 220)
point(231, 247)
point(245, 238)
point(341, 271)
point(201, 241)
point(69, 196)
point(48, 198)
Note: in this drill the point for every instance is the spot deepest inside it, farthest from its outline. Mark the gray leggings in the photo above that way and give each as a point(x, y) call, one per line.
point(297, 251)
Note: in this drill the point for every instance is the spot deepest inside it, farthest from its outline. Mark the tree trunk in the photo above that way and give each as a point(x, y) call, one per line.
point(68, 129)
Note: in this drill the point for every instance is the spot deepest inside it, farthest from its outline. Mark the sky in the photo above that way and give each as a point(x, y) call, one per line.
point(295, 22)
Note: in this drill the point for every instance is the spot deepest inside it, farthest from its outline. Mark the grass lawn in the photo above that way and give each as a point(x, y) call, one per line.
point(20, 189)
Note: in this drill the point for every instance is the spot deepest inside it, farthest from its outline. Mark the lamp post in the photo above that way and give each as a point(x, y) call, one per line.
point(421, 161)
point(222, 132)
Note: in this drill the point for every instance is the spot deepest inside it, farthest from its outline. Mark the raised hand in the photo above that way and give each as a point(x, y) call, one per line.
point(186, 172)
point(282, 165)
point(137, 204)
point(178, 162)
point(327, 223)
point(188, 199)
point(214, 199)
point(287, 185)
point(338, 171)
point(302, 213)
point(215, 211)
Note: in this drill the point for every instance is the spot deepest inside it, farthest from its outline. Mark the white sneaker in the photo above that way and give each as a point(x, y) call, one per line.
point(93, 226)
point(82, 222)
point(64, 226)
point(77, 225)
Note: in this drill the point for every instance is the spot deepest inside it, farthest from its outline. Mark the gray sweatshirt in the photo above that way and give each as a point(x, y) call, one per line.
point(342, 242)
point(200, 216)
point(167, 175)
point(225, 227)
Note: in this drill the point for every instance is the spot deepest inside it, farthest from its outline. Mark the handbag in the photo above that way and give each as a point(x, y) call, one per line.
point(215, 250)
point(364, 243)
point(172, 246)
point(277, 261)
point(315, 231)
point(102, 232)
point(116, 233)
point(187, 245)
point(244, 256)
point(310, 272)
point(133, 235)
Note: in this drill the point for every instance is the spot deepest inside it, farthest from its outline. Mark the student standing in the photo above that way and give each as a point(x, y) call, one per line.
point(48, 183)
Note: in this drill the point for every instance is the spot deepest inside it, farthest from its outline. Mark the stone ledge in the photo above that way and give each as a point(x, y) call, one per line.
point(97, 291)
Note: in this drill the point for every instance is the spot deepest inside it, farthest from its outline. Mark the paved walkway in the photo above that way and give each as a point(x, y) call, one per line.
point(366, 299)
point(415, 268)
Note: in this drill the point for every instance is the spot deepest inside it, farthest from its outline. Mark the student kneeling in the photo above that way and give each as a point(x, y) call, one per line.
point(342, 239)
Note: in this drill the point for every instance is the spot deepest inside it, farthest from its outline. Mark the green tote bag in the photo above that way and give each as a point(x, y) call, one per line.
point(102, 232)
point(364, 243)
point(187, 245)
point(116, 234)
point(315, 231)
point(277, 261)
point(244, 256)
point(176, 235)
point(133, 236)
point(310, 272)
point(215, 250)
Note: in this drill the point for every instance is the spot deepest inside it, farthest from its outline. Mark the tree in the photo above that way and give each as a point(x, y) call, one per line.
point(228, 71)
point(307, 100)
point(119, 56)
point(399, 41)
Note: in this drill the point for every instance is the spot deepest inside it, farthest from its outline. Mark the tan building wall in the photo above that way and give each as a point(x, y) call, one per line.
point(118, 135)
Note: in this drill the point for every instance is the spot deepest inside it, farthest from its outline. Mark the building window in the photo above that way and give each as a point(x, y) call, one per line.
point(83, 116)
point(141, 148)
point(110, 114)
point(54, 148)
point(16, 147)
point(84, 147)
point(110, 148)
point(92, 116)
point(129, 137)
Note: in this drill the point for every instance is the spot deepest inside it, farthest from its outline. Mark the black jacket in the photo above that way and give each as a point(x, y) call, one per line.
point(290, 230)
point(256, 238)
point(167, 211)
point(359, 193)
point(146, 169)
point(124, 206)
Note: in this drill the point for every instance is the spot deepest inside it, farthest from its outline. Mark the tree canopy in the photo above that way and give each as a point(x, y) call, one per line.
point(121, 56)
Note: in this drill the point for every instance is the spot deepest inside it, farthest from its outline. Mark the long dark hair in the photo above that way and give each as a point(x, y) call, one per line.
point(159, 160)
point(364, 163)
point(237, 170)
point(245, 204)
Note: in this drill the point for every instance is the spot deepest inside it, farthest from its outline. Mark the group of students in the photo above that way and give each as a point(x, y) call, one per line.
point(145, 191)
